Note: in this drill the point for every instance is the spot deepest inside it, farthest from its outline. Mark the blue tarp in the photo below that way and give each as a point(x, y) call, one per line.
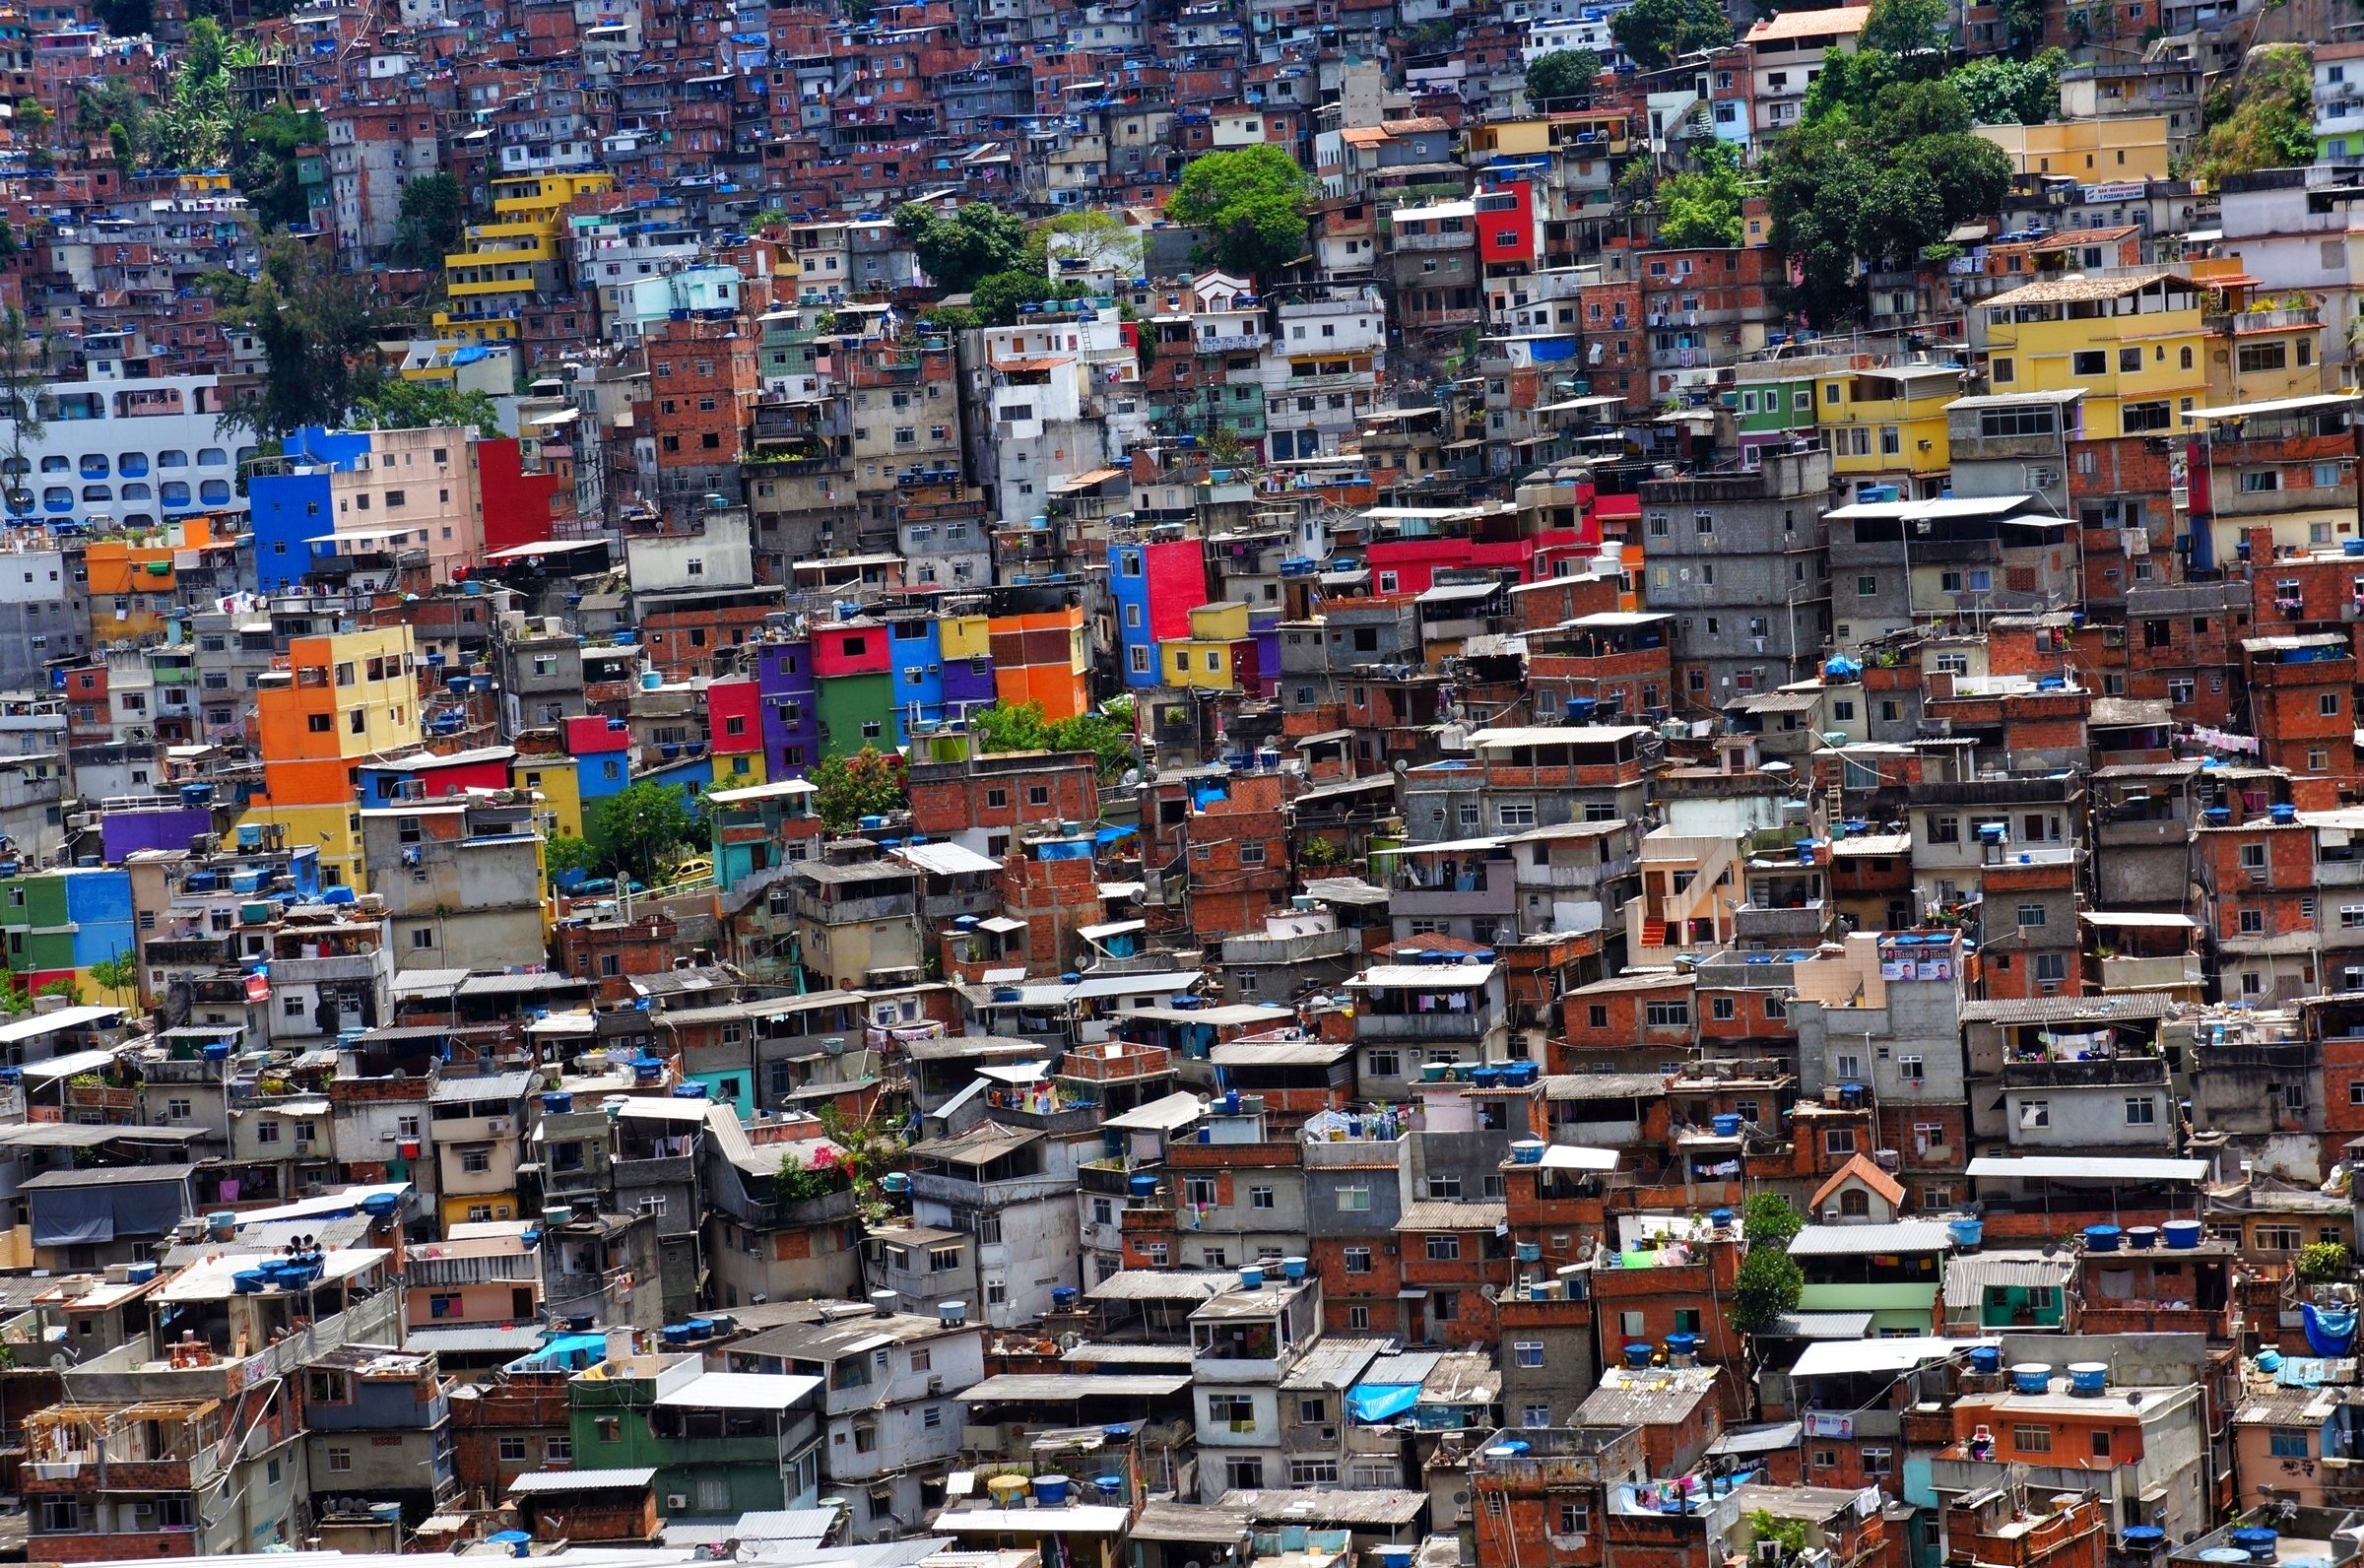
point(1110, 835)
point(1379, 1401)
point(2331, 1330)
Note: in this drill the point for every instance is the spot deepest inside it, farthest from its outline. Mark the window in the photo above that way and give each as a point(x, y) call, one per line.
point(2035, 1113)
point(2032, 1439)
point(1867, 587)
point(1313, 1473)
point(1353, 1200)
point(512, 1449)
point(1260, 1197)
point(2089, 362)
point(2286, 1442)
point(1721, 1009)
point(2140, 1110)
point(1444, 1248)
point(1528, 1352)
point(1838, 1140)
point(2006, 423)
point(1668, 1014)
point(1358, 1260)
point(2031, 914)
point(340, 1458)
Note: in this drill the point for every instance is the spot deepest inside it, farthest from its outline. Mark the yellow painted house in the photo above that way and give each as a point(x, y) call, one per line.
point(552, 776)
point(2095, 152)
point(1209, 656)
point(341, 697)
point(1885, 424)
point(509, 260)
point(2136, 345)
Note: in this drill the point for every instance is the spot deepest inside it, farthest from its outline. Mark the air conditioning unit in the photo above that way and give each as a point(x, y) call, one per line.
point(497, 1125)
point(1830, 1214)
point(935, 1387)
point(676, 1500)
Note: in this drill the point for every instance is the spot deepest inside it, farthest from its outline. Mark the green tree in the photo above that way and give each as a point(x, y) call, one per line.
point(2265, 120)
point(198, 121)
point(1702, 205)
point(394, 404)
point(1997, 89)
point(427, 226)
point(21, 375)
point(1912, 30)
point(566, 854)
point(2322, 1262)
point(976, 240)
point(1768, 1221)
point(2023, 23)
point(998, 294)
point(1562, 79)
point(115, 975)
point(33, 123)
point(1768, 1286)
point(1100, 240)
point(1250, 203)
point(1004, 726)
point(868, 783)
point(318, 328)
point(267, 158)
point(1652, 33)
point(636, 827)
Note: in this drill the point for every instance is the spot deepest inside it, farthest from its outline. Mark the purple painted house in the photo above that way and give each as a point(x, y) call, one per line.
point(791, 716)
point(123, 831)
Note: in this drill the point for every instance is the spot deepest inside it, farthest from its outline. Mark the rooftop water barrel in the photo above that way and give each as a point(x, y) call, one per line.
point(895, 1181)
point(2088, 1377)
point(2282, 814)
point(246, 1281)
point(1294, 1269)
point(2031, 1377)
point(2101, 1238)
point(651, 681)
point(217, 1050)
point(1528, 1152)
point(2262, 1544)
point(1142, 1186)
point(221, 1225)
point(1531, 1252)
point(1720, 1219)
point(1050, 1491)
point(1728, 1125)
point(1005, 1490)
point(2142, 1539)
point(1967, 1233)
point(2141, 1238)
point(1851, 1095)
point(1063, 1297)
point(1986, 1358)
point(558, 1102)
point(2182, 1235)
point(1637, 1356)
point(378, 1206)
point(1110, 1487)
point(1251, 1278)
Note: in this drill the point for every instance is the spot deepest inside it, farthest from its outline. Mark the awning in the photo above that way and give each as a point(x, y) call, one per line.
point(1377, 1402)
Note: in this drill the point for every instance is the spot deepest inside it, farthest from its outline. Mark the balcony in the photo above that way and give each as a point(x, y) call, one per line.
point(1459, 239)
point(655, 1172)
point(2124, 1071)
point(326, 969)
point(1439, 1026)
point(1782, 925)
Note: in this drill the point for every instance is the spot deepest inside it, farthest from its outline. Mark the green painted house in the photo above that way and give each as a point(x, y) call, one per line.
point(1892, 1271)
point(722, 1443)
point(855, 711)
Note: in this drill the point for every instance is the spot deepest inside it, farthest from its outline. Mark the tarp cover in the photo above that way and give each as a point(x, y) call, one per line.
point(1378, 1402)
point(2330, 1330)
point(68, 1216)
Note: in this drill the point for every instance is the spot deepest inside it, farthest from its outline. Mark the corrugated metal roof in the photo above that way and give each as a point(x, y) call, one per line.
point(1846, 1241)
